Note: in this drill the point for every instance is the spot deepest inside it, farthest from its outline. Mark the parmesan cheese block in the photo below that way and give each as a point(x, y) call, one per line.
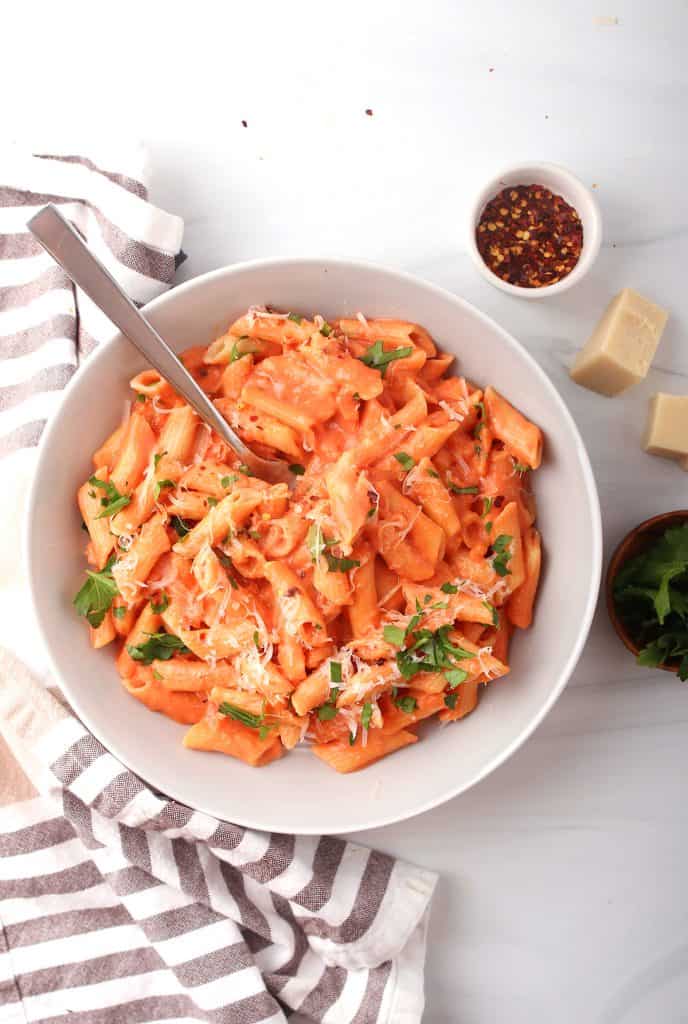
point(620, 350)
point(667, 427)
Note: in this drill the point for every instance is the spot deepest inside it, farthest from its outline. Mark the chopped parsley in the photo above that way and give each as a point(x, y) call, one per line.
point(160, 485)
point(140, 397)
point(433, 472)
point(246, 718)
point(456, 676)
point(520, 467)
point(429, 651)
point(326, 330)
point(256, 638)
point(461, 490)
point(119, 612)
point(502, 555)
point(239, 350)
point(158, 647)
point(493, 612)
point(366, 715)
point(157, 457)
point(97, 594)
point(297, 469)
point(243, 468)
point(328, 710)
point(212, 502)
point(180, 527)
point(394, 635)
point(113, 502)
point(318, 545)
point(449, 588)
point(295, 318)
point(158, 607)
point(335, 672)
point(450, 700)
point(227, 481)
point(407, 704)
point(378, 359)
point(404, 460)
point(487, 505)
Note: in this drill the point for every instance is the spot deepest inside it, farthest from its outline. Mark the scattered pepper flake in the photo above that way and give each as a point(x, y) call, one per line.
point(244, 124)
point(536, 242)
point(369, 112)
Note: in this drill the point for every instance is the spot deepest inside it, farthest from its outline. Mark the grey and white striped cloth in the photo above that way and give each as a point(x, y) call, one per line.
point(118, 905)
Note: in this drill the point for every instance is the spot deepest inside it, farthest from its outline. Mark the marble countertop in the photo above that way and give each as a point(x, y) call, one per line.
point(563, 894)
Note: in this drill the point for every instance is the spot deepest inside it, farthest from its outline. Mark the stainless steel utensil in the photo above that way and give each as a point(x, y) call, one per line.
point(67, 248)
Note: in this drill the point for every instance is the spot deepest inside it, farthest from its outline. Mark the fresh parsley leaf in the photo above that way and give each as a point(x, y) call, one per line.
point(326, 330)
point(158, 647)
point(227, 481)
point(378, 359)
point(160, 485)
point(372, 511)
point(450, 700)
point(326, 712)
point(243, 468)
point(295, 318)
point(430, 651)
point(113, 502)
point(449, 588)
point(493, 612)
point(434, 473)
point(158, 607)
point(366, 715)
point(96, 596)
point(394, 635)
point(461, 490)
point(456, 676)
point(246, 718)
point(212, 502)
point(502, 554)
point(297, 469)
point(336, 564)
point(156, 675)
point(256, 638)
point(140, 397)
point(520, 467)
point(404, 460)
point(240, 348)
point(335, 672)
point(655, 568)
point(119, 612)
point(407, 704)
point(487, 505)
point(265, 731)
point(157, 457)
point(180, 527)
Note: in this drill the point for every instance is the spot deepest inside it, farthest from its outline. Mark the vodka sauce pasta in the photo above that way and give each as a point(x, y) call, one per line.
point(381, 591)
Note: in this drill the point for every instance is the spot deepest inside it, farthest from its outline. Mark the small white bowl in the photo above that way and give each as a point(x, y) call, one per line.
point(561, 182)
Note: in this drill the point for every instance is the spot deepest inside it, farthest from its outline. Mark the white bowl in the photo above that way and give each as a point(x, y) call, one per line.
point(561, 182)
point(299, 793)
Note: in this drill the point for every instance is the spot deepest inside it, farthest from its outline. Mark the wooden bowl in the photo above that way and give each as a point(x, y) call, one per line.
point(633, 544)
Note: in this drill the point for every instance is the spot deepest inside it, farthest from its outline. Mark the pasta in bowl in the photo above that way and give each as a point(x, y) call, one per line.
point(298, 792)
point(381, 591)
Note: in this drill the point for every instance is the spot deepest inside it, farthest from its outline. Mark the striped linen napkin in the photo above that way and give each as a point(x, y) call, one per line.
point(118, 905)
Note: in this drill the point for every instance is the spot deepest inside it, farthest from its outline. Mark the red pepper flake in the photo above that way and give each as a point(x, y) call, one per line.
point(529, 236)
point(244, 124)
point(369, 112)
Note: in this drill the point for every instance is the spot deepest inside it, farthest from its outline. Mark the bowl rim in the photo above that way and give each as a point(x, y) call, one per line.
point(617, 560)
point(380, 819)
point(591, 217)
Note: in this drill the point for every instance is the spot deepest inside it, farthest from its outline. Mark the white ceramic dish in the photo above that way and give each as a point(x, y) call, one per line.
point(299, 793)
point(561, 182)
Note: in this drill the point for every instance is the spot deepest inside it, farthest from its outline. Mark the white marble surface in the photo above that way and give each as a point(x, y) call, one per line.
point(564, 891)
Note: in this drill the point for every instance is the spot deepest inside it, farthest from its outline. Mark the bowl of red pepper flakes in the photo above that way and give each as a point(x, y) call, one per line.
point(534, 230)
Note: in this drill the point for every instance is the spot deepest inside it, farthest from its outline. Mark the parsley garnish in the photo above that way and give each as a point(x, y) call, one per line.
point(227, 481)
point(378, 359)
point(161, 485)
point(335, 672)
point(160, 606)
point(96, 596)
point(493, 612)
point(651, 595)
point(449, 588)
point(456, 676)
point(326, 330)
point(212, 502)
point(113, 501)
point(520, 467)
point(433, 472)
point(239, 715)
point(243, 468)
point(461, 490)
point(366, 715)
point(328, 710)
point(238, 352)
point(158, 647)
point(404, 460)
point(140, 397)
point(119, 612)
point(297, 469)
point(487, 505)
point(256, 638)
point(429, 651)
point(336, 564)
point(407, 704)
point(180, 527)
point(157, 457)
point(318, 544)
point(502, 555)
point(295, 318)
point(450, 700)
point(394, 635)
